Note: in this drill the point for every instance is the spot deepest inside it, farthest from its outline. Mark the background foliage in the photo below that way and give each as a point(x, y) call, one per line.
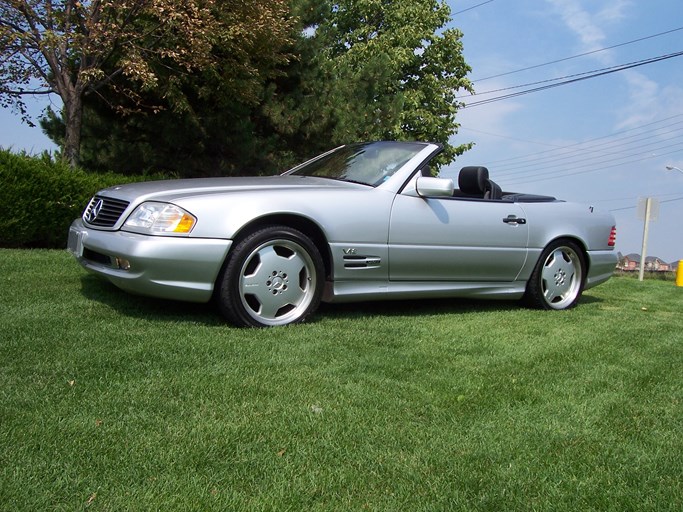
point(41, 197)
point(75, 49)
point(267, 85)
point(317, 74)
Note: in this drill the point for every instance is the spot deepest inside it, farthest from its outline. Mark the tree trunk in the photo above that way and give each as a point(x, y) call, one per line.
point(73, 118)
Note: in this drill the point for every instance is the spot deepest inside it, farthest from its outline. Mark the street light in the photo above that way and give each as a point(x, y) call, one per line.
point(674, 168)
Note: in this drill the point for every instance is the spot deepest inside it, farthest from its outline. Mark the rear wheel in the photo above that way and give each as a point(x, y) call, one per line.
point(558, 279)
point(273, 277)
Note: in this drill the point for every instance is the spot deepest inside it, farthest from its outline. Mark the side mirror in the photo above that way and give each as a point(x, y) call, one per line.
point(434, 187)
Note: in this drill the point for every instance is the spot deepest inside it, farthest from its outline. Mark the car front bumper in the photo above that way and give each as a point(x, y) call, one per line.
point(180, 268)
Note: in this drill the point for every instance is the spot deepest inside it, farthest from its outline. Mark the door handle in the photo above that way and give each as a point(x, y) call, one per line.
point(513, 219)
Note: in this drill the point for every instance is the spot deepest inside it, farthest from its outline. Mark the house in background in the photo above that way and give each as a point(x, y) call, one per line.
point(631, 263)
point(654, 264)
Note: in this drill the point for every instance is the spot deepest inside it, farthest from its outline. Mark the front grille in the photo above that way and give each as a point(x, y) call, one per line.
point(104, 211)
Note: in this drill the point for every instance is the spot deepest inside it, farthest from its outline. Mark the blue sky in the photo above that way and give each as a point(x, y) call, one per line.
point(604, 141)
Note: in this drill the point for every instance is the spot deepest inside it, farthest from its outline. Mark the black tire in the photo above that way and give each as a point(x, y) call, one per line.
point(274, 276)
point(558, 278)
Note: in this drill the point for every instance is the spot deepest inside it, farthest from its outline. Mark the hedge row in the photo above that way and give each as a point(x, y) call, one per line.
point(40, 197)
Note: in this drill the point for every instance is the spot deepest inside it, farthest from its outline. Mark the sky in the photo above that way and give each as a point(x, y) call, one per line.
point(604, 141)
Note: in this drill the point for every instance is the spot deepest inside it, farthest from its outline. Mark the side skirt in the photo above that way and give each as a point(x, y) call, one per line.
point(352, 291)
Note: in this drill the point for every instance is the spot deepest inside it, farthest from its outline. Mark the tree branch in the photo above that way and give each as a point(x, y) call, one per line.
point(22, 92)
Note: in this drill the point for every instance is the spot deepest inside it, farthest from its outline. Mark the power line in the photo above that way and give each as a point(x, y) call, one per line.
point(473, 7)
point(619, 164)
point(577, 56)
point(601, 150)
point(590, 156)
point(577, 144)
point(631, 198)
point(607, 158)
point(634, 207)
point(574, 80)
point(554, 146)
point(618, 67)
point(607, 162)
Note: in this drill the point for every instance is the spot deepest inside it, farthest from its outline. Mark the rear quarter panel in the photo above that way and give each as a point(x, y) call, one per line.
point(548, 221)
point(554, 220)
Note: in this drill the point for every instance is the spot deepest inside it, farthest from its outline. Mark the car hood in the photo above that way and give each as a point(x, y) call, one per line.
point(169, 190)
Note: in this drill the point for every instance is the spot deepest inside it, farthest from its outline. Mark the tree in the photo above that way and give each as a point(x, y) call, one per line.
point(198, 121)
point(76, 48)
point(371, 69)
point(305, 76)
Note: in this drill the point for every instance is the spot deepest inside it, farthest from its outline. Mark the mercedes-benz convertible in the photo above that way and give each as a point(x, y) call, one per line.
point(361, 222)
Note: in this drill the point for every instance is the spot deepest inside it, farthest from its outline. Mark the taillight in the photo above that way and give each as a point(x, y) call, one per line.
point(612, 240)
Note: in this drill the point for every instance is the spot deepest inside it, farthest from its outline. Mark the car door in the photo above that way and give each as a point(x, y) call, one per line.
point(456, 239)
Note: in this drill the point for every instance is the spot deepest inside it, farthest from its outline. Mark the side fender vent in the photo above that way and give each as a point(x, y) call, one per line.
point(356, 261)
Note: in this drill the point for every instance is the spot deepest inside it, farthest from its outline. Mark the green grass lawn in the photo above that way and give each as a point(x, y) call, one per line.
point(115, 402)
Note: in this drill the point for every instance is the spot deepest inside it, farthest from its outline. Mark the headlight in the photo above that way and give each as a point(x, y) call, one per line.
point(160, 219)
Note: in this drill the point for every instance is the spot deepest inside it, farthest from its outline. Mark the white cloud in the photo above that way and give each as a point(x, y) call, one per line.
point(615, 11)
point(588, 26)
point(580, 22)
point(642, 100)
point(648, 100)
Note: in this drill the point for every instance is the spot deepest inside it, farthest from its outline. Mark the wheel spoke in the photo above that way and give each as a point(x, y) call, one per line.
point(268, 258)
point(269, 307)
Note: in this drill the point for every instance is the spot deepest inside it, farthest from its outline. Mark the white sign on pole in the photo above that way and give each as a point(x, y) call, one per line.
point(654, 208)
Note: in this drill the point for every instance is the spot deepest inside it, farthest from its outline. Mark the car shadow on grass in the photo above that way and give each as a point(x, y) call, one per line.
point(137, 306)
point(99, 290)
point(420, 307)
point(417, 307)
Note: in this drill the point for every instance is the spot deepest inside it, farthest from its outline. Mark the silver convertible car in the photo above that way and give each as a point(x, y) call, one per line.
point(361, 222)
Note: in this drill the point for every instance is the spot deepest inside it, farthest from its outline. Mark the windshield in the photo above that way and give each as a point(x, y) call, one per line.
point(369, 164)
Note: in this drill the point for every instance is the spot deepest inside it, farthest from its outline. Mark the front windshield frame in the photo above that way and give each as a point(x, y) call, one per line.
point(368, 163)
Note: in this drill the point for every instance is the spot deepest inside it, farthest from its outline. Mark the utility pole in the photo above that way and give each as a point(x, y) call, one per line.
point(643, 252)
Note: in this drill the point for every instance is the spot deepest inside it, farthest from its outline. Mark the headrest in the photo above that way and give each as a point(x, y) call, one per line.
point(472, 180)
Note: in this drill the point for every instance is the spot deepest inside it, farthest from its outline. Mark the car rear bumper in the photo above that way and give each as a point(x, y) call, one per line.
point(601, 265)
point(179, 268)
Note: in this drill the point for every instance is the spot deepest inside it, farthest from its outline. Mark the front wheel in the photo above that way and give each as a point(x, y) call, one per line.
point(273, 277)
point(558, 278)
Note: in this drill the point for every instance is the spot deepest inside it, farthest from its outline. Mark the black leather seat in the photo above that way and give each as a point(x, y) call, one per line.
point(473, 181)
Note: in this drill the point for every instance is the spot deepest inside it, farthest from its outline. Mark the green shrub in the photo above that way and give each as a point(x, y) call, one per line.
point(40, 197)
point(649, 274)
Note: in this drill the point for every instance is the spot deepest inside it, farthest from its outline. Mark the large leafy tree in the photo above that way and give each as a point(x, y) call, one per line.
point(371, 69)
point(124, 50)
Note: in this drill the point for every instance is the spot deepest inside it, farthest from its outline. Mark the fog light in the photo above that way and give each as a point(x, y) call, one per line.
point(123, 264)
